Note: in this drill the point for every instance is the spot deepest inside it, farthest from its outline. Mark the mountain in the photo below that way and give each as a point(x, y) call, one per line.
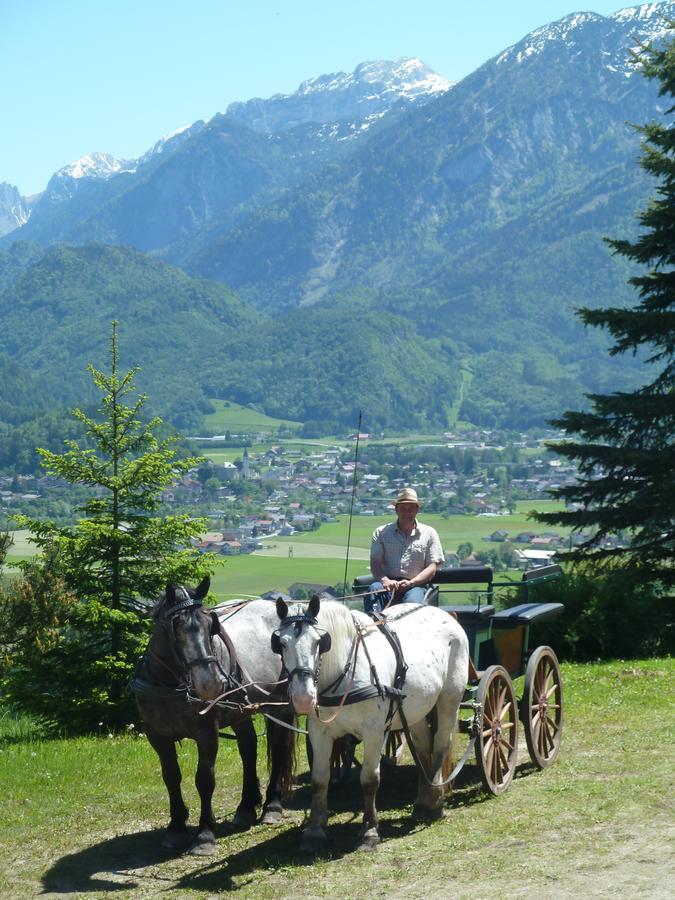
point(14, 209)
point(540, 123)
point(351, 101)
point(480, 217)
point(427, 268)
point(194, 340)
point(212, 173)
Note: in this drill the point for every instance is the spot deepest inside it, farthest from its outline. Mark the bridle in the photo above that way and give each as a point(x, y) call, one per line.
point(324, 645)
point(167, 617)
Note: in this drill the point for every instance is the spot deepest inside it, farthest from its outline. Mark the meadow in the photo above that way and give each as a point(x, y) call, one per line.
point(230, 416)
point(319, 556)
point(84, 816)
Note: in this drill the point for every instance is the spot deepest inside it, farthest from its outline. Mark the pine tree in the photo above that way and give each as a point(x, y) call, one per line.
point(119, 552)
point(624, 445)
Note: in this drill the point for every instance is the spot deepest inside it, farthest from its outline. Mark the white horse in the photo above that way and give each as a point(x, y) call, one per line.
point(330, 651)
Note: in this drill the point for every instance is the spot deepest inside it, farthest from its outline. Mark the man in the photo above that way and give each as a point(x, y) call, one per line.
point(404, 556)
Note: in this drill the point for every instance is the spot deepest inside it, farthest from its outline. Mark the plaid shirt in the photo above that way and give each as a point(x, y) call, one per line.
point(404, 556)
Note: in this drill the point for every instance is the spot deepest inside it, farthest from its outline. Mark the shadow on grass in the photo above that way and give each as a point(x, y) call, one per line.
point(136, 860)
point(108, 865)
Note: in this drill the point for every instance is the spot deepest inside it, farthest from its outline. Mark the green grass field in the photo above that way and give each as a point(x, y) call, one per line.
point(84, 816)
point(233, 417)
point(319, 556)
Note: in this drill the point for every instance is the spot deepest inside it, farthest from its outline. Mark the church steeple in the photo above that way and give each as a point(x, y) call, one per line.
point(245, 471)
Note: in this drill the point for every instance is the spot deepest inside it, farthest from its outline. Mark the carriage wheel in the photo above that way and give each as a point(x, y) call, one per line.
point(497, 743)
point(541, 707)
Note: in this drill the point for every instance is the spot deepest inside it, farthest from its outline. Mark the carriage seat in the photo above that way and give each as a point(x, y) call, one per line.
point(526, 614)
point(361, 584)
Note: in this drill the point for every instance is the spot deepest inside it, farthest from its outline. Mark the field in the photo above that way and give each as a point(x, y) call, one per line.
point(239, 419)
point(84, 816)
point(319, 556)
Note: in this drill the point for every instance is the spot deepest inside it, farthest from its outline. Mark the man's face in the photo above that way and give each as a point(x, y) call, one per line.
point(406, 512)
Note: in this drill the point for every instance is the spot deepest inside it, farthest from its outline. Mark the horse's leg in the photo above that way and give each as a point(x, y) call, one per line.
point(425, 802)
point(369, 836)
point(280, 758)
point(177, 828)
point(205, 780)
point(441, 765)
point(314, 836)
point(247, 741)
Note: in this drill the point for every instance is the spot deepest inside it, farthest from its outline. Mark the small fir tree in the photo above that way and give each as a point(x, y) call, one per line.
point(624, 445)
point(120, 552)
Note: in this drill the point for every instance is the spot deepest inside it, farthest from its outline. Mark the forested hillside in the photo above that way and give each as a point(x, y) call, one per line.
point(421, 268)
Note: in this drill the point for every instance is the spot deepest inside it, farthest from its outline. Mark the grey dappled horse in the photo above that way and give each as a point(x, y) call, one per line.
point(333, 654)
point(194, 656)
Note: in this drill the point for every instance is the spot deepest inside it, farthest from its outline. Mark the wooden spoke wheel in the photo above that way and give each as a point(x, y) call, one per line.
point(541, 707)
point(497, 740)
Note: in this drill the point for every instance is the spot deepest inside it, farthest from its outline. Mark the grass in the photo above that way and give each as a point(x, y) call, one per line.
point(84, 816)
point(319, 556)
point(232, 417)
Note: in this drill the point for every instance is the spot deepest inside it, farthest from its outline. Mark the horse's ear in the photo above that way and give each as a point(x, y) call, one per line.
point(314, 606)
point(170, 594)
point(202, 588)
point(215, 624)
point(282, 608)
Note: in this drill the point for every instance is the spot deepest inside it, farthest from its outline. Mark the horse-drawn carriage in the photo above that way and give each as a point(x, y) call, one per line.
point(500, 651)
point(405, 671)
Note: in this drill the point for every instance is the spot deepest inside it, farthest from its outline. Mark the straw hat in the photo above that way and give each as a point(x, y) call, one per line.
point(407, 495)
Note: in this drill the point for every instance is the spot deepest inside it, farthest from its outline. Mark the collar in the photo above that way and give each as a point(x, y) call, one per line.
point(414, 533)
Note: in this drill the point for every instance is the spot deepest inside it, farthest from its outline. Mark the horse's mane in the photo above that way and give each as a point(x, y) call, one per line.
point(337, 620)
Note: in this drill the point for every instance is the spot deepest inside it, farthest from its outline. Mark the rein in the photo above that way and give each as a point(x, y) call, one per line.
point(183, 678)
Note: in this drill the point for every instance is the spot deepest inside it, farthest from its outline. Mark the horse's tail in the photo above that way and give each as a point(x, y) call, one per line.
point(285, 739)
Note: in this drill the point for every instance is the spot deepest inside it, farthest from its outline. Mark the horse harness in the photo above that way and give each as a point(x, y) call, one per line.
point(331, 697)
point(393, 692)
point(143, 684)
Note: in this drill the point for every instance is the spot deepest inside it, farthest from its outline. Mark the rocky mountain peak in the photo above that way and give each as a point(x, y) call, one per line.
point(618, 34)
point(369, 91)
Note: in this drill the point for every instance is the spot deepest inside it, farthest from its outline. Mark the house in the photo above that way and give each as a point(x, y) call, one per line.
point(231, 548)
point(500, 535)
point(533, 559)
point(229, 471)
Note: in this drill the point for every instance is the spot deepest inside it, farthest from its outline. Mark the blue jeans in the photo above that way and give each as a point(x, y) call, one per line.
point(378, 597)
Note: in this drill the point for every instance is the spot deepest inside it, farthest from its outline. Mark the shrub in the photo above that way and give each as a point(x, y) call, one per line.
point(611, 615)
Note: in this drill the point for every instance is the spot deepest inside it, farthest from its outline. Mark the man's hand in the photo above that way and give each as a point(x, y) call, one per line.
point(389, 583)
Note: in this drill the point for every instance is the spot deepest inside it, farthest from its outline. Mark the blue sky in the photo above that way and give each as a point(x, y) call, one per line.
point(79, 76)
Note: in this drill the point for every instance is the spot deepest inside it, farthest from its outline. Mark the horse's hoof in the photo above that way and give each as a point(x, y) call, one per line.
point(312, 845)
point(426, 814)
point(272, 815)
point(369, 840)
point(204, 844)
point(175, 840)
point(244, 819)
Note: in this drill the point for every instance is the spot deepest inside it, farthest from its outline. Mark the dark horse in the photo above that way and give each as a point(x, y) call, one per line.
point(193, 657)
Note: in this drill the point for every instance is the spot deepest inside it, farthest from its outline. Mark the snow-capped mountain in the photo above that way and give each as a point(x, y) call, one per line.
point(365, 94)
point(618, 34)
point(292, 135)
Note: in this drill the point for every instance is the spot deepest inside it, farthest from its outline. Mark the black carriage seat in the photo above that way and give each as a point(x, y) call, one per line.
point(466, 614)
point(361, 584)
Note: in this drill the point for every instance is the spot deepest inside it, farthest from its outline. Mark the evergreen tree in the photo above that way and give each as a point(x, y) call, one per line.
point(119, 552)
point(624, 445)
